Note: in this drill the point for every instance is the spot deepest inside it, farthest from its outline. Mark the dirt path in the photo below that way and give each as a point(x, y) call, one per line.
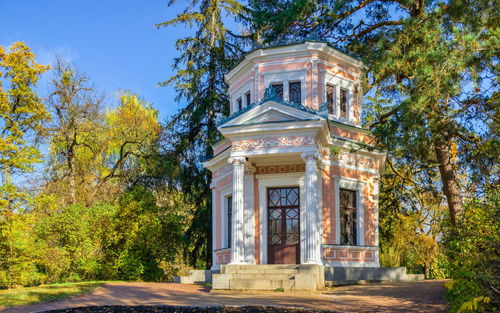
point(425, 296)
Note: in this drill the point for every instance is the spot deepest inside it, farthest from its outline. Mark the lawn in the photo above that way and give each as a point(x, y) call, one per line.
point(44, 293)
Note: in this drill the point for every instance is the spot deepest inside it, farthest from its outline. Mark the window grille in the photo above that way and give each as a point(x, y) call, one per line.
point(240, 104)
point(248, 98)
point(347, 217)
point(343, 103)
point(294, 92)
point(330, 92)
point(229, 219)
point(279, 90)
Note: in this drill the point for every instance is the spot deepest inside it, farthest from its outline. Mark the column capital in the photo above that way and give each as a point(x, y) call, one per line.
point(237, 160)
point(249, 169)
point(310, 155)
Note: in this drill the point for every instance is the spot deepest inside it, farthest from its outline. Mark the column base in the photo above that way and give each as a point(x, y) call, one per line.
point(316, 262)
point(237, 263)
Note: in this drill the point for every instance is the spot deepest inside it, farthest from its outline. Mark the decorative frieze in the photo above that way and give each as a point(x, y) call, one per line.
point(256, 83)
point(281, 169)
point(355, 160)
point(351, 253)
point(273, 142)
point(222, 171)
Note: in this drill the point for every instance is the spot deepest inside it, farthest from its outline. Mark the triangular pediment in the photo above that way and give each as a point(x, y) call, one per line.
point(270, 112)
point(272, 116)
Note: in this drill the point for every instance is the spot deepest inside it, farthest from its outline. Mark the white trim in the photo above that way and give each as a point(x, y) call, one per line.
point(240, 93)
point(219, 158)
point(349, 167)
point(340, 83)
point(268, 106)
point(359, 187)
point(301, 49)
point(214, 229)
point(278, 180)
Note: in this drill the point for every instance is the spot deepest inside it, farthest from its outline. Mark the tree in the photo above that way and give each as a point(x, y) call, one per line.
point(96, 155)
point(22, 114)
point(74, 134)
point(411, 220)
point(204, 59)
point(429, 71)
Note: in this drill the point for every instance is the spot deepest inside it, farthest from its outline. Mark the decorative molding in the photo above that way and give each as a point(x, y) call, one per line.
point(315, 83)
point(222, 171)
point(273, 142)
point(256, 82)
point(250, 169)
point(279, 169)
point(310, 155)
point(235, 160)
point(355, 160)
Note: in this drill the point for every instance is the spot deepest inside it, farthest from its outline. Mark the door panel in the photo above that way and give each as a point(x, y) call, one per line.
point(283, 207)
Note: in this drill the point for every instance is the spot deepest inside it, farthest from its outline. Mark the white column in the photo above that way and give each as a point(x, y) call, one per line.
point(215, 266)
point(237, 230)
point(312, 222)
point(249, 231)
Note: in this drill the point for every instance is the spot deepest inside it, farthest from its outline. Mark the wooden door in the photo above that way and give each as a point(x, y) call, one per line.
point(283, 211)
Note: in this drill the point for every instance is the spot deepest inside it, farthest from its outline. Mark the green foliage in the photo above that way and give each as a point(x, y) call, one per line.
point(22, 115)
point(474, 249)
point(204, 58)
point(432, 102)
point(410, 223)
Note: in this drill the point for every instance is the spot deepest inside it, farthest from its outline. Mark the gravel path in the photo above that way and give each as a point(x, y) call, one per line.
point(424, 296)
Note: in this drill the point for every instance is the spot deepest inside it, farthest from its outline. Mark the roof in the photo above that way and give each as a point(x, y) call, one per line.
point(270, 95)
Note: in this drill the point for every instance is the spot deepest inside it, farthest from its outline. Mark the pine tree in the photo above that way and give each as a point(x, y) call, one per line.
point(199, 82)
point(430, 73)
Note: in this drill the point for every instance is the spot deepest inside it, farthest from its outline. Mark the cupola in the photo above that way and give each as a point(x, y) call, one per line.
point(311, 74)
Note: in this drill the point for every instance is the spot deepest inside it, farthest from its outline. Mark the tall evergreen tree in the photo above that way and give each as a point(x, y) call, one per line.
point(205, 56)
point(430, 70)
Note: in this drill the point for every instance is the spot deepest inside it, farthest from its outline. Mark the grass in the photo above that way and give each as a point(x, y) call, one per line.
point(45, 293)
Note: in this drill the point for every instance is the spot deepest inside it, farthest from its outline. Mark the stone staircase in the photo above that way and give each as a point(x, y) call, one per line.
point(269, 277)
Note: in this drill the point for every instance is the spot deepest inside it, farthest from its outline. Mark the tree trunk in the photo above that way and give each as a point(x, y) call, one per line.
point(451, 188)
point(72, 176)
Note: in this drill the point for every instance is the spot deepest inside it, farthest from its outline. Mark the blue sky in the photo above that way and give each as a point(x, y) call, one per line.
point(113, 41)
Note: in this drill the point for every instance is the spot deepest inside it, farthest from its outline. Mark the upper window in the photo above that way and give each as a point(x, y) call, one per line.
point(330, 98)
point(247, 96)
point(239, 103)
point(229, 219)
point(294, 92)
point(347, 217)
point(279, 90)
point(343, 103)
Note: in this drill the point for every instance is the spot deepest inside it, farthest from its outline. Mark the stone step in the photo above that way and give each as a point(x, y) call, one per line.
point(289, 271)
point(273, 276)
point(260, 284)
